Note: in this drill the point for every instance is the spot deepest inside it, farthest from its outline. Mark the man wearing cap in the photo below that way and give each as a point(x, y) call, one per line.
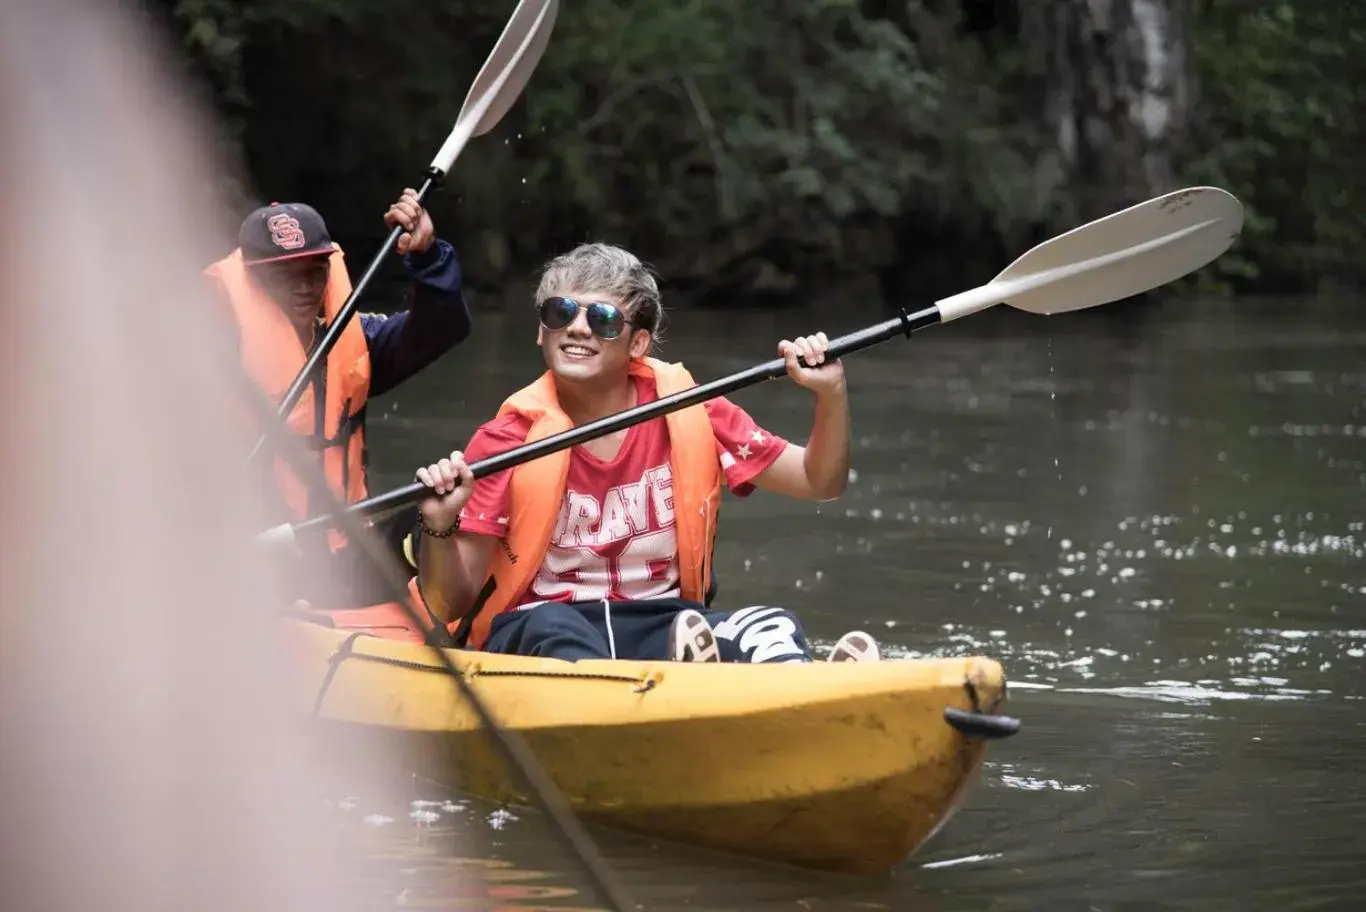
point(283, 285)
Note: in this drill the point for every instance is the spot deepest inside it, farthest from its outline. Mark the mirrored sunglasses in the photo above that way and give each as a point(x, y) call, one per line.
point(605, 320)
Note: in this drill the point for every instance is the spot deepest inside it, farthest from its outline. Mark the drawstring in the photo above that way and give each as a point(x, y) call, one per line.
point(607, 619)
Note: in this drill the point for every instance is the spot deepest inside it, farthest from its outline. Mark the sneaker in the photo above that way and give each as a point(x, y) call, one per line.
point(691, 638)
point(855, 646)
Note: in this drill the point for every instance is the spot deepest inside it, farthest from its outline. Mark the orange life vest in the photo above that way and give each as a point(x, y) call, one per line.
point(272, 356)
point(538, 488)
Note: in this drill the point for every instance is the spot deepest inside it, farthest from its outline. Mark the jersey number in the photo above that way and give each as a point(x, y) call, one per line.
point(646, 567)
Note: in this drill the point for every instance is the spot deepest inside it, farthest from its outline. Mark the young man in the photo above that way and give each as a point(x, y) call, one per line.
point(605, 550)
point(283, 285)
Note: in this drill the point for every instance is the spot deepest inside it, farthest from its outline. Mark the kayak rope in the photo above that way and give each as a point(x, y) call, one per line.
point(643, 685)
point(334, 663)
point(516, 754)
point(346, 651)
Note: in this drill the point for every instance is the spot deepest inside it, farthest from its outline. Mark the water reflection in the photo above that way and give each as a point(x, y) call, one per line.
point(425, 846)
point(1155, 521)
point(513, 871)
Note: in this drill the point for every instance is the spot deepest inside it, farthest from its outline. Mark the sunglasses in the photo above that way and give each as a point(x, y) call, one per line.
point(605, 320)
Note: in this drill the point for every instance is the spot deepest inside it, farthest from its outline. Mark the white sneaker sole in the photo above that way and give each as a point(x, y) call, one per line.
point(855, 646)
point(691, 638)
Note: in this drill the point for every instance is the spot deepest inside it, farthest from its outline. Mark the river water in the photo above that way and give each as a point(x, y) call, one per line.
point(1152, 515)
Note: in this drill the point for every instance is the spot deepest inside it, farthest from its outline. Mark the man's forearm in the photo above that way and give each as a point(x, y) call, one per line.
point(827, 452)
point(442, 578)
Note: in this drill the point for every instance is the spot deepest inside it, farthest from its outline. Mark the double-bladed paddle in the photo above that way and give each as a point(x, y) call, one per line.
point(1115, 257)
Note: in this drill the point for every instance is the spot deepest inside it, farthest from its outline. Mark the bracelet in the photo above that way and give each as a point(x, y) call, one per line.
point(428, 530)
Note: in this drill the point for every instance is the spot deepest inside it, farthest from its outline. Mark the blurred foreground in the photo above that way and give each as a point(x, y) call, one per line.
point(148, 761)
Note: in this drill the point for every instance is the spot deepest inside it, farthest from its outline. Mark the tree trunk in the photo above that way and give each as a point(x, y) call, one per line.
point(1115, 98)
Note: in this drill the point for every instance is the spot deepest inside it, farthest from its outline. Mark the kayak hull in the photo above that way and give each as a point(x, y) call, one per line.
point(846, 767)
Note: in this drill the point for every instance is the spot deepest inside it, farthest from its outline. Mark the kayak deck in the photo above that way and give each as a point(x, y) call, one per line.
point(843, 766)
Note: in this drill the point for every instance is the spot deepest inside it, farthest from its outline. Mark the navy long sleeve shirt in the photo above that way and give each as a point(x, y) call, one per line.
point(403, 343)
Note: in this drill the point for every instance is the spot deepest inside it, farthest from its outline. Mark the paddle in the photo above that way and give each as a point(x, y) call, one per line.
point(498, 84)
point(1123, 254)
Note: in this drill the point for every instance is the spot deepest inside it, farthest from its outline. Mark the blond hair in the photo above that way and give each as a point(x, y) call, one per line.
point(612, 271)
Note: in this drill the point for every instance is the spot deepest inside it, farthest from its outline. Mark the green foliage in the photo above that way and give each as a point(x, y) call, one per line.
point(1283, 95)
point(817, 135)
point(211, 34)
point(698, 132)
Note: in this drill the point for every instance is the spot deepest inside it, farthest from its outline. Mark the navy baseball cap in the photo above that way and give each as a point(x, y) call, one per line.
point(283, 231)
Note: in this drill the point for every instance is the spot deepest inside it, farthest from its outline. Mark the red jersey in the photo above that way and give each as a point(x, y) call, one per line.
point(615, 537)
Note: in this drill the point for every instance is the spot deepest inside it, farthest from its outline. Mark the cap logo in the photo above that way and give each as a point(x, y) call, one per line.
point(285, 231)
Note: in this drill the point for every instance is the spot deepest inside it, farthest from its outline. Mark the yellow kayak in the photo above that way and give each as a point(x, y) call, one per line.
point(845, 766)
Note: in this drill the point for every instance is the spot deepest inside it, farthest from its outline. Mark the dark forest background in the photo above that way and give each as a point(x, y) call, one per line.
point(762, 150)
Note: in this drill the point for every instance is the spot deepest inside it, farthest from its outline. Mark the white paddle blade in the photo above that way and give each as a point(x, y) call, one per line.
point(503, 76)
point(1115, 257)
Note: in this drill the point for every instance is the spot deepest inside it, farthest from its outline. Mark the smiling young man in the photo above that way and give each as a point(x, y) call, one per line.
point(283, 285)
point(604, 550)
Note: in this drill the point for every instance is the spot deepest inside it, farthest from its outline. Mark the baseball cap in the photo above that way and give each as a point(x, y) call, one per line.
point(283, 231)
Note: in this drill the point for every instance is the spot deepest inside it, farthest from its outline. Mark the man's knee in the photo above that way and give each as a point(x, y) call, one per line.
point(763, 633)
point(563, 623)
point(555, 617)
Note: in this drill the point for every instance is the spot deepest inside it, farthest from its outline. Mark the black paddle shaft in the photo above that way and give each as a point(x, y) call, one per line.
point(844, 345)
point(334, 329)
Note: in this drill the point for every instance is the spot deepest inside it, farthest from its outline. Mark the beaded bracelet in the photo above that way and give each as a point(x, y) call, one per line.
point(428, 530)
